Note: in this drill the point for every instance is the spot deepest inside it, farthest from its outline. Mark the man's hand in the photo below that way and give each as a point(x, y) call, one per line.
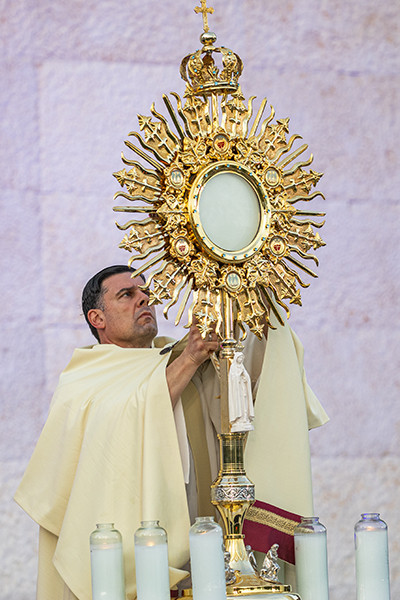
point(197, 349)
point(180, 372)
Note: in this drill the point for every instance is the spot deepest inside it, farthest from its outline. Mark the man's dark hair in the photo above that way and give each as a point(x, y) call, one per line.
point(92, 295)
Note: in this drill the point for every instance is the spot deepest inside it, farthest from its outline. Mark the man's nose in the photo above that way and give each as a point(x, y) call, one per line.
point(143, 298)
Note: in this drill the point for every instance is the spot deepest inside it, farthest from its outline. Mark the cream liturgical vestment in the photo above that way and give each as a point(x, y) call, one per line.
point(109, 452)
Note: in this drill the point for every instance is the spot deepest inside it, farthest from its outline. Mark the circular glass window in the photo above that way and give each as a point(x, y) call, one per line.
point(229, 211)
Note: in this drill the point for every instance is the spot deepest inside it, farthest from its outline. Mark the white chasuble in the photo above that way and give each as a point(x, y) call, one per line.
point(108, 453)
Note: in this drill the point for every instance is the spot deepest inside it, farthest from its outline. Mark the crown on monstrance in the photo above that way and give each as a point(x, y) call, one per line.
point(201, 72)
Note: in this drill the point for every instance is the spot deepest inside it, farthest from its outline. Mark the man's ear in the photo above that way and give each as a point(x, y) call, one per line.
point(96, 318)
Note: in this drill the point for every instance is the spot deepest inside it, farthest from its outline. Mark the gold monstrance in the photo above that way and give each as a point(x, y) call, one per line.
point(224, 228)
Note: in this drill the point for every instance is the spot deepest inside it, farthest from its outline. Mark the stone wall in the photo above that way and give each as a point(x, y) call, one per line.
point(74, 74)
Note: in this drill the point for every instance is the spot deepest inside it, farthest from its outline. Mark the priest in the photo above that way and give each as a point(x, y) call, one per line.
point(131, 436)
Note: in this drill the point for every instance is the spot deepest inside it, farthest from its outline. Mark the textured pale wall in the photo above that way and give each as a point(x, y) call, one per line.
point(73, 76)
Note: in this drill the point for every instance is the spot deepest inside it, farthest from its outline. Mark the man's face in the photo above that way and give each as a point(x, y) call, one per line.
point(126, 319)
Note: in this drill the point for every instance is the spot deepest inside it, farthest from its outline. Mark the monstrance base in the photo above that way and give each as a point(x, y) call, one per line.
point(251, 585)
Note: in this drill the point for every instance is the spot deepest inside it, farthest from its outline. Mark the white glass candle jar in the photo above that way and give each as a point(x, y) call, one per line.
point(151, 558)
point(372, 558)
point(207, 560)
point(311, 559)
point(107, 563)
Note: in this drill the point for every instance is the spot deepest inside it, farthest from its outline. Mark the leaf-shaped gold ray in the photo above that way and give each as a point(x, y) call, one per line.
point(130, 197)
point(279, 301)
point(265, 124)
point(140, 153)
point(303, 254)
point(165, 128)
point(272, 306)
point(298, 166)
point(176, 291)
point(133, 223)
point(147, 265)
point(304, 238)
point(162, 154)
point(183, 115)
point(157, 271)
point(251, 311)
point(234, 113)
point(310, 213)
point(274, 138)
point(248, 116)
point(145, 182)
point(295, 154)
point(214, 114)
point(258, 118)
point(173, 116)
point(286, 148)
point(197, 116)
point(309, 222)
point(144, 238)
point(294, 274)
point(191, 308)
point(206, 311)
point(304, 198)
point(132, 209)
point(125, 245)
point(283, 283)
point(165, 283)
point(184, 301)
point(301, 266)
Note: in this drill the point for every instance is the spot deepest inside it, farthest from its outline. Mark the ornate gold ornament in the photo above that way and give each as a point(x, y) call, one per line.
point(222, 197)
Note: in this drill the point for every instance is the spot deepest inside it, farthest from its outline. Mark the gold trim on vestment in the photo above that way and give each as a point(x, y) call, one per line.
point(266, 517)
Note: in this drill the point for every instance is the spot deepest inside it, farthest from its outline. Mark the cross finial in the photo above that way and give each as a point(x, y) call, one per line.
point(204, 10)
